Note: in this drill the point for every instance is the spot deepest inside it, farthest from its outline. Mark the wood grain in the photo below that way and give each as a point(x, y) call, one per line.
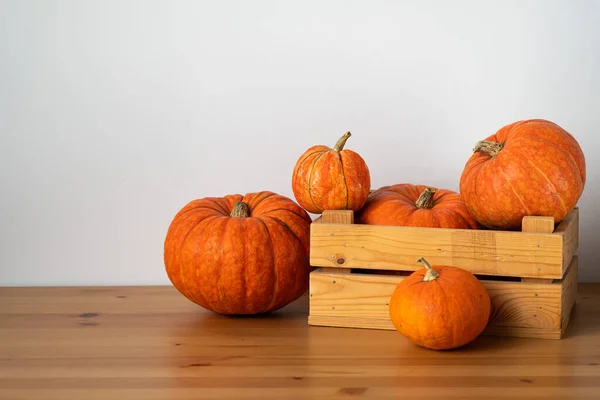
point(338, 217)
point(151, 343)
point(537, 225)
point(568, 229)
point(535, 310)
point(532, 223)
point(483, 252)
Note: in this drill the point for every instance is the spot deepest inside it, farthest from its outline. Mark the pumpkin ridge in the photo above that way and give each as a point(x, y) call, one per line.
point(220, 269)
point(475, 195)
point(196, 209)
point(343, 176)
point(307, 156)
point(514, 191)
point(285, 209)
point(211, 200)
point(565, 149)
point(287, 227)
point(446, 299)
point(275, 281)
point(244, 292)
point(183, 244)
point(435, 218)
point(271, 194)
point(309, 181)
point(550, 183)
point(208, 221)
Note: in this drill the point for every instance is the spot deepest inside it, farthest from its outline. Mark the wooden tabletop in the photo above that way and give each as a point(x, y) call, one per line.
point(151, 343)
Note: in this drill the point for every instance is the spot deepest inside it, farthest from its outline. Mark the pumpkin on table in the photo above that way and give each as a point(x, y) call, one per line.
point(239, 254)
point(441, 307)
point(416, 205)
point(530, 167)
point(331, 179)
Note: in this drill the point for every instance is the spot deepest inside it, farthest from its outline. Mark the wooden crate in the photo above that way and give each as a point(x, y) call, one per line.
point(531, 276)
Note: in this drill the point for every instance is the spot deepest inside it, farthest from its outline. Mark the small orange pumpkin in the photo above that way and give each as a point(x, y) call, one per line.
point(331, 179)
point(440, 308)
point(416, 205)
point(239, 254)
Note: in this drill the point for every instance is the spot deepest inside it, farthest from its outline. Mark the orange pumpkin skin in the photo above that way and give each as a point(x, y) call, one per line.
point(416, 205)
point(531, 167)
point(445, 313)
point(237, 264)
point(327, 178)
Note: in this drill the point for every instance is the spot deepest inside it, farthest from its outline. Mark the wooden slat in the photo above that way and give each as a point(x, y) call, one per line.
point(569, 293)
point(537, 224)
point(529, 255)
point(568, 229)
point(397, 248)
point(386, 324)
point(361, 300)
point(534, 224)
point(338, 217)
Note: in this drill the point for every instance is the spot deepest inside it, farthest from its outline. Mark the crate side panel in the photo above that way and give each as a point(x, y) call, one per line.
point(482, 252)
point(522, 332)
point(569, 293)
point(524, 304)
point(375, 323)
point(515, 304)
point(350, 322)
point(351, 295)
point(568, 230)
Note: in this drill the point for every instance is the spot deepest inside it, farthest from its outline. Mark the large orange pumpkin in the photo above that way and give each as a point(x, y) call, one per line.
point(239, 254)
point(331, 179)
point(440, 308)
point(531, 167)
point(416, 205)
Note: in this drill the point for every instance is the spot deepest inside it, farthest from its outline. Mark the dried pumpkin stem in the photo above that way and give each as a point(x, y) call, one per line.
point(425, 200)
point(240, 210)
point(339, 146)
point(431, 274)
point(490, 148)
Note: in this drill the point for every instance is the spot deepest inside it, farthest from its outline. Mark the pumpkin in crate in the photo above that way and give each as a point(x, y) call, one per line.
point(239, 254)
point(416, 205)
point(331, 179)
point(441, 307)
point(531, 167)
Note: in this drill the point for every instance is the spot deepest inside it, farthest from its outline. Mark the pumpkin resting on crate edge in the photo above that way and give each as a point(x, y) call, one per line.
point(416, 205)
point(530, 167)
point(331, 179)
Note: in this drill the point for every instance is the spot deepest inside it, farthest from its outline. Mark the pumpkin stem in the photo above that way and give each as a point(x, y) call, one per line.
point(240, 210)
point(425, 200)
point(431, 274)
point(487, 147)
point(341, 142)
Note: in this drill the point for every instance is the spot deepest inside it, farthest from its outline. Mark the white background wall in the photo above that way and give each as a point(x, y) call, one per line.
point(114, 114)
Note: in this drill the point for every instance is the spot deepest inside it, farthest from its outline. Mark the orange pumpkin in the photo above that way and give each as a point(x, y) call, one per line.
point(440, 308)
point(239, 254)
point(531, 167)
point(331, 179)
point(416, 205)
